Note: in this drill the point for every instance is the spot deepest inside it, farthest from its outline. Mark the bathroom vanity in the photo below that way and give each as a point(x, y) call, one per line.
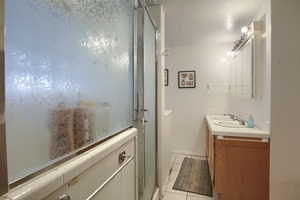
point(238, 159)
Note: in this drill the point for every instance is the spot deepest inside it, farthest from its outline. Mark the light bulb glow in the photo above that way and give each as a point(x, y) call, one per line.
point(244, 29)
point(230, 53)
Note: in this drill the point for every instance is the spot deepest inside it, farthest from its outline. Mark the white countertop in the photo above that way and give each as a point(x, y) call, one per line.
point(238, 132)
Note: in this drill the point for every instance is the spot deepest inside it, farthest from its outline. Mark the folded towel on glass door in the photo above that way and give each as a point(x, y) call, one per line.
point(81, 127)
point(62, 136)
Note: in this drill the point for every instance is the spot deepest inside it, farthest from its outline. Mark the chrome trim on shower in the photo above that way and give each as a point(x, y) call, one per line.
point(139, 97)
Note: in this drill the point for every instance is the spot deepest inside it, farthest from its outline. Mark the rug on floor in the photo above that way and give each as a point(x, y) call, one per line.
point(194, 177)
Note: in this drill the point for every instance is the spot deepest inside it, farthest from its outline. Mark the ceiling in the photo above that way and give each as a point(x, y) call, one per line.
point(191, 22)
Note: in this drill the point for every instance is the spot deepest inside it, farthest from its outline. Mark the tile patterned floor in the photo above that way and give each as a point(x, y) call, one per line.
point(170, 193)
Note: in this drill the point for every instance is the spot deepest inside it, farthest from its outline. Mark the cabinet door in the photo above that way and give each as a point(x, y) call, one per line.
point(207, 140)
point(211, 157)
point(242, 169)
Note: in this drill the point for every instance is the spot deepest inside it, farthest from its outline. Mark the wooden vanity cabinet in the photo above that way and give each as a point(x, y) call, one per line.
point(239, 167)
point(211, 154)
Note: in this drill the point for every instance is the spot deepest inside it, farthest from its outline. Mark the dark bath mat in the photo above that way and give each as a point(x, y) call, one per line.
point(194, 177)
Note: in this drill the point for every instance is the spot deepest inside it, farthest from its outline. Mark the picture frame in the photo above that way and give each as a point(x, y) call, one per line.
point(186, 79)
point(166, 77)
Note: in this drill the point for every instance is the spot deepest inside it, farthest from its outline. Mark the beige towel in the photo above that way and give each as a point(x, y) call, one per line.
point(62, 138)
point(81, 127)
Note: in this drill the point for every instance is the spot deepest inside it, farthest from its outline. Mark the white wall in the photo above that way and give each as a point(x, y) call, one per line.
point(190, 106)
point(285, 109)
point(259, 107)
point(198, 39)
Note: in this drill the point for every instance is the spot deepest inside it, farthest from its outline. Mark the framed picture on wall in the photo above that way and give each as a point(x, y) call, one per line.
point(166, 77)
point(187, 79)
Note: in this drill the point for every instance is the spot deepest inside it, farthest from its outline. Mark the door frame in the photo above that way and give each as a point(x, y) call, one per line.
point(139, 106)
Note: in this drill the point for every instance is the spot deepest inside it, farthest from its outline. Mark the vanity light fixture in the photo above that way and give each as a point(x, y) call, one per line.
point(244, 29)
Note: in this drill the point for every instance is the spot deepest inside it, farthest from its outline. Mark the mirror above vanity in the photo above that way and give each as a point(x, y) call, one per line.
point(245, 58)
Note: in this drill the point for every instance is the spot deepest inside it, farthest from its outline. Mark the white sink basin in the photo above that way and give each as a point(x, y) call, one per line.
point(230, 124)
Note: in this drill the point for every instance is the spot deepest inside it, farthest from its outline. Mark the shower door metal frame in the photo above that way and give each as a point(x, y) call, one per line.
point(3, 154)
point(139, 106)
point(139, 94)
point(156, 94)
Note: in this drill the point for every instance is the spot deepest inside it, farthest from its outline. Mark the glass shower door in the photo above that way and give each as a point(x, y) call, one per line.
point(149, 107)
point(68, 78)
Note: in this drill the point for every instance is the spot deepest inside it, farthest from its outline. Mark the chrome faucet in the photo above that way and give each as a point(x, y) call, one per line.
point(230, 115)
point(236, 118)
point(241, 121)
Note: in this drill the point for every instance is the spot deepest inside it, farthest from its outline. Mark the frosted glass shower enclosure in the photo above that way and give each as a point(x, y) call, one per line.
point(69, 74)
point(68, 78)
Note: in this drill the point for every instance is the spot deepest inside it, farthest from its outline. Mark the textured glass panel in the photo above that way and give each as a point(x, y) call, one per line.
point(69, 77)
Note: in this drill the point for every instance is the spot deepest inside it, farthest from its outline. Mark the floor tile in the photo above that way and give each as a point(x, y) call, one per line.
point(179, 159)
point(178, 192)
point(169, 188)
point(193, 196)
point(173, 177)
point(200, 157)
point(170, 185)
point(176, 167)
point(175, 196)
